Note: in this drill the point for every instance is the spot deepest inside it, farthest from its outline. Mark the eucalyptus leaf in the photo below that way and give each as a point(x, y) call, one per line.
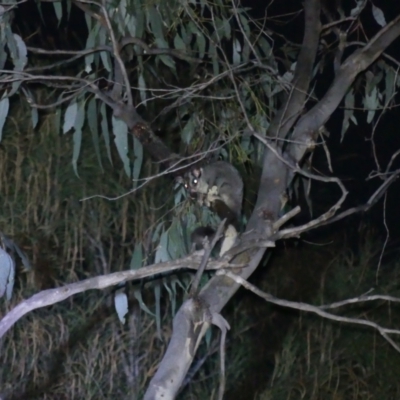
point(156, 235)
point(237, 48)
point(201, 44)
point(176, 247)
point(104, 130)
point(378, 15)
point(58, 10)
point(20, 58)
point(142, 88)
point(188, 130)
point(34, 117)
point(155, 21)
point(371, 103)
point(138, 161)
point(137, 257)
point(7, 273)
point(77, 137)
point(226, 28)
point(92, 117)
point(140, 18)
point(215, 60)
point(4, 107)
point(389, 83)
point(138, 296)
point(162, 249)
point(173, 295)
point(179, 44)
point(57, 120)
point(157, 295)
point(208, 337)
point(121, 141)
point(348, 112)
point(90, 42)
point(179, 194)
point(70, 116)
point(168, 61)
point(3, 53)
point(121, 305)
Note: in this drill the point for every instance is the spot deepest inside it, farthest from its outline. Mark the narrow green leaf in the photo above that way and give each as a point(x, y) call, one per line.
point(227, 28)
point(57, 120)
point(104, 130)
point(77, 137)
point(4, 107)
point(92, 117)
point(168, 61)
point(371, 103)
point(142, 88)
point(34, 117)
point(157, 294)
point(90, 42)
point(156, 24)
point(7, 273)
point(20, 58)
point(121, 305)
point(138, 161)
point(237, 49)
point(156, 235)
point(137, 257)
point(201, 44)
point(140, 18)
point(70, 116)
point(188, 130)
point(58, 10)
point(173, 296)
point(138, 296)
point(179, 44)
point(162, 249)
point(121, 141)
point(348, 112)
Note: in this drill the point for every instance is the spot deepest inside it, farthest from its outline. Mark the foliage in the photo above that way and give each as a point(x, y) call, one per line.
point(215, 81)
point(67, 239)
point(78, 349)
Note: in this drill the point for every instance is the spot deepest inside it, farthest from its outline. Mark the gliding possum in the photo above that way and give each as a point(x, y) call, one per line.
point(219, 181)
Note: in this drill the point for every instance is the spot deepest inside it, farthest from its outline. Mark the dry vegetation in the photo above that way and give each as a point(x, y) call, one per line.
point(79, 349)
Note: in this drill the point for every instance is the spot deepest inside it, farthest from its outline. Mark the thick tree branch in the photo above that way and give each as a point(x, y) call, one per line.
point(306, 129)
point(53, 296)
point(274, 179)
point(220, 289)
point(287, 115)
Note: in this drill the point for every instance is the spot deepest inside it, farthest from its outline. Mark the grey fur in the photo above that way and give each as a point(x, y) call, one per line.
point(225, 177)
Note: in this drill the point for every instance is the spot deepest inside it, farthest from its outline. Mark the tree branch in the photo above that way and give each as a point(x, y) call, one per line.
point(306, 129)
point(220, 289)
point(287, 115)
point(53, 296)
point(318, 310)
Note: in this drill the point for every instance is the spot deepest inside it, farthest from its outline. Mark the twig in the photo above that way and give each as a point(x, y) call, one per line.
point(314, 309)
point(194, 290)
point(53, 296)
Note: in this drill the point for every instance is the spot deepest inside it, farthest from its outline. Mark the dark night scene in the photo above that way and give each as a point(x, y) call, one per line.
point(200, 200)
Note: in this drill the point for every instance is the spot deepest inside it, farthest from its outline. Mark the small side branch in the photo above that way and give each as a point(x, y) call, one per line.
point(385, 332)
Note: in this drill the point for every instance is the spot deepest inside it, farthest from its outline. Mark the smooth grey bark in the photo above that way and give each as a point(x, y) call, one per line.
point(220, 288)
